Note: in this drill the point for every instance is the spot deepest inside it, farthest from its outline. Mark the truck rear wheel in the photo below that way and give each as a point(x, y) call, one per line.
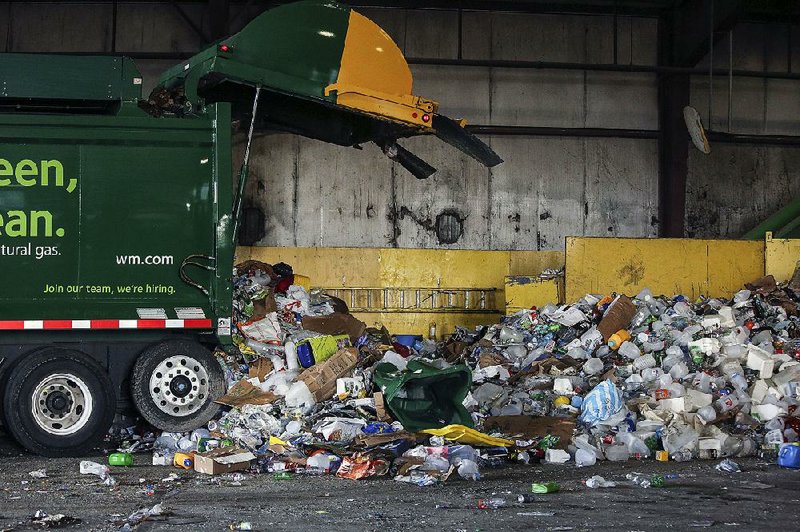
point(175, 383)
point(58, 402)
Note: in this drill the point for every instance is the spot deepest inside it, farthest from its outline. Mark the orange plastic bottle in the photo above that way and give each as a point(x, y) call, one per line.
point(618, 338)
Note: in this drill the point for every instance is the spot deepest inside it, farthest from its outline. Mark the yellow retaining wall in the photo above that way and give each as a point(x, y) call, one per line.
point(667, 266)
point(390, 267)
point(594, 265)
point(781, 256)
point(524, 292)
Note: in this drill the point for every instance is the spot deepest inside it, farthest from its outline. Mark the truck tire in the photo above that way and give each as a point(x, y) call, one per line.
point(175, 383)
point(58, 402)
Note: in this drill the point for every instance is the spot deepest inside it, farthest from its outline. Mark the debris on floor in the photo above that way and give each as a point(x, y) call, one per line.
point(314, 391)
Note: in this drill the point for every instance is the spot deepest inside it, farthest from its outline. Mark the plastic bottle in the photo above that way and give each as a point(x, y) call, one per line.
point(593, 366)
point(643, 362)
point(617, 453)
point(526, 498)
point(585, 458)
point(726, 403)
point(683, 455)
point(639, 479)
point(93, 468)
point(738, 381)
point(707, 414)
point(640, 318)
point(120, 459)
point(679, 371)
point(629, 350)
point(183, 460)
point(676, 390)
point(658, 481)
point(292, 362)
point(652, 374)
point(545, 487)
point(469, 470)
point(618, 338)
point(599, 482)
point(491, 504)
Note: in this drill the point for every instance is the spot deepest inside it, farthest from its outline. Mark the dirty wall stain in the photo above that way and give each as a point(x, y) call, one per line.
point(632, 272)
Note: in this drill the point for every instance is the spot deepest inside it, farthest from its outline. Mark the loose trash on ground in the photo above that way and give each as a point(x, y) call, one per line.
point(314, 391)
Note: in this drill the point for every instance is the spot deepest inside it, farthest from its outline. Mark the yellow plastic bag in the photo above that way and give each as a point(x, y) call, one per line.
point(468, 436)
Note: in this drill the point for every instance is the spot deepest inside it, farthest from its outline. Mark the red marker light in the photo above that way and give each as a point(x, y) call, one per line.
point(224, 48)
point(414, 115)
point(426, 118)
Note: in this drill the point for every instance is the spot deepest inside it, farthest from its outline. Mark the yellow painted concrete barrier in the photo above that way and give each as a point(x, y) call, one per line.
point(363, 268)
point(524, 292)
point(781, 256)
point(667, 266)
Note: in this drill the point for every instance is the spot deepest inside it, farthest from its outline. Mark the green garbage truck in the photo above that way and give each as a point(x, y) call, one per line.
point(119, 214)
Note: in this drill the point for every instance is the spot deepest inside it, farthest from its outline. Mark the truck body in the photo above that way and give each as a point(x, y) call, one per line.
point(118, 213)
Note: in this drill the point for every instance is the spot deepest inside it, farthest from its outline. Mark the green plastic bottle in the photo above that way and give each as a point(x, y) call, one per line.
point(281, 475)
point(120, 459)
point(545, 487)
point(658, 481)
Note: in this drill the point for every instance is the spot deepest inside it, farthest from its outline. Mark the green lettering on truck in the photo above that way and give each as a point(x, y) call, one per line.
point(5, 170)
point(26, 168)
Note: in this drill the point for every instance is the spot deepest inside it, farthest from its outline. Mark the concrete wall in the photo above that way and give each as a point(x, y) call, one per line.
point(319, 195)
point(737, 186)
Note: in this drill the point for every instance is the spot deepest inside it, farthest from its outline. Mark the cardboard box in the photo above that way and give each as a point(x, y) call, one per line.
point(223, 460)
point(618, 316)
point(529, 427)
point(244, 393)
point(321, 378)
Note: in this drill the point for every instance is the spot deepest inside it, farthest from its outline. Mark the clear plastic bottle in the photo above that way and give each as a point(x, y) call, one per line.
point(726, 403)
point(599, 482)
point(707, 414)
point(491, 504)
point(629, 350)
point(641, 480)
point(683, 455)
point(738, 381)
point(640, 318)
point(643, 362)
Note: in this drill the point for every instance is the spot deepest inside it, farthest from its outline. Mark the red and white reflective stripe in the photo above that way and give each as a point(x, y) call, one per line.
point(38, 325)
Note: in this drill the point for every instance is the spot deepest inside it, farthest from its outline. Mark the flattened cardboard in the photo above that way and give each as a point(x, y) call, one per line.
point(371, 440)
point(321, 378)
point(380, 408)
point(223, 460)
point(260, 368)
point(618, 316)
point(244, 393)
point(530, 427)
point(336, 324)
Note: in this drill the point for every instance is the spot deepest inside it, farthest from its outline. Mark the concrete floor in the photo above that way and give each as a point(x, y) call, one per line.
point(762, 497)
